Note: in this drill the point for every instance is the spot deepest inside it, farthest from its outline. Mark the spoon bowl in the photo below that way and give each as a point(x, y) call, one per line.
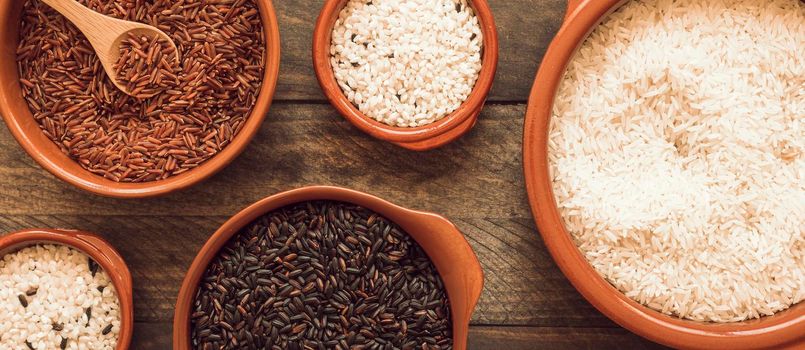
point(106, 34)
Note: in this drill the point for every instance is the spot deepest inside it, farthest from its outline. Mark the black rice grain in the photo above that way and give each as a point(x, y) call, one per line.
point(321, 275)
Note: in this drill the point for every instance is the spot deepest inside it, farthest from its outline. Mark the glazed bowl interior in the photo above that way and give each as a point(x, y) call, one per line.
point(785, 329)
point(462, 118)
point(450, 253)
point(100, 251)
point(20, 121)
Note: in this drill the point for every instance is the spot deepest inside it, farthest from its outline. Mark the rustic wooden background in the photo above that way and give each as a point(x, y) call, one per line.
point(477, 182)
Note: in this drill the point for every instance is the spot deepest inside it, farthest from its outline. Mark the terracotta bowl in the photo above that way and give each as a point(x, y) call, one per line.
point(100, 251)
point(783, 330)
point(26, 130)
point(445, 245)
point(436, 134)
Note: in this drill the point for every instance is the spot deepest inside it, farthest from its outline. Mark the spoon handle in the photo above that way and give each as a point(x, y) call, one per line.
point(99, 29)
point(78, 14)
point(104, 33)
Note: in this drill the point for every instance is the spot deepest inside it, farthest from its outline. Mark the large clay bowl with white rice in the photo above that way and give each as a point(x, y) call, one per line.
point(782, 329)
point(434, 134)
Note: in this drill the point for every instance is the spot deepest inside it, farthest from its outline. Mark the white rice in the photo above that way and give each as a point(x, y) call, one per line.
point(677, 152)
point(58, 286)
point(406, 63)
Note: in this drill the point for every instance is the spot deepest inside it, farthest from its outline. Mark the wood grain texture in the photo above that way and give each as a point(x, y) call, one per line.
point(555, 338)
point(477, 182)
point(525, 28)
point(156, 336)
point(523, 287)
point(478, 176)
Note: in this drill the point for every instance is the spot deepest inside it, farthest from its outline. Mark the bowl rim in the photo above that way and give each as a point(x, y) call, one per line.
point(461, 305)
point(780, 330)
point(436, 132)
point(99, 250)
point(48, 156)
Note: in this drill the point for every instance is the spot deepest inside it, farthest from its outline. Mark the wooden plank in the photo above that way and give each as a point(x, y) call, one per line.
point(309, 144)
point(522, 287)
point(152, 336)
point(525, 28)
point(480, 175)
point(477, 182)
point(522, 284)
point(157, 336)
point(555, 338)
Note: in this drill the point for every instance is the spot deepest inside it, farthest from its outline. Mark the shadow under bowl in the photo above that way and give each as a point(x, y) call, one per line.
point(100, 251)
point(450, 253)
point(26, 130)
point(423, 138)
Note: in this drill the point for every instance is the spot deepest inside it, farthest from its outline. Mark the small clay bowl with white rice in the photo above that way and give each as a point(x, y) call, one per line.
point(371, 75)
point(106, 269)
point(595, 170)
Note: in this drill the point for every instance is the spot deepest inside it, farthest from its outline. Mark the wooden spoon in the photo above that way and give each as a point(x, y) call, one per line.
point(106, 34)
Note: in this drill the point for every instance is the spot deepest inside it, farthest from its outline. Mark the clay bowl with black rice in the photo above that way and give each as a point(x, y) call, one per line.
point(328, 267)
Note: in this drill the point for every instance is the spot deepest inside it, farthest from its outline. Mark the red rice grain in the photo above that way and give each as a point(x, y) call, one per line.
point(199, 108)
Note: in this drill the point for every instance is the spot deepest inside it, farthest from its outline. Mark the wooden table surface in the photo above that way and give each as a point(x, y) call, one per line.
point(477, 182)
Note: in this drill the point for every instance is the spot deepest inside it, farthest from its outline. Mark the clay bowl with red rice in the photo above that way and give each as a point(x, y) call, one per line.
point(20, 121)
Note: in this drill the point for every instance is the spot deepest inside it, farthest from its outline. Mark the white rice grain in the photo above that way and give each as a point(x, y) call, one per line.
point(677, 151)
point(406, 63)
point(58, 287)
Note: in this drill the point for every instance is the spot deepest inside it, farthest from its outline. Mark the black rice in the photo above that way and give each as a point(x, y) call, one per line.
point(321, 275)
